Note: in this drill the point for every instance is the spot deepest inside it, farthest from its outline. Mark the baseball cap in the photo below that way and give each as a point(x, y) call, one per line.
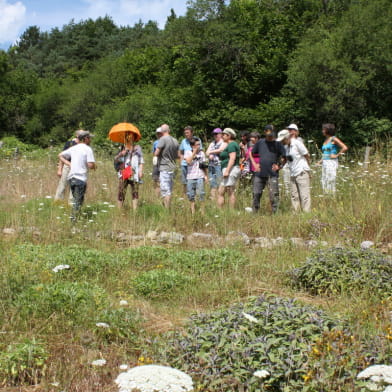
point(229, 131)
point(283, 134)
point(83, 134)
point(293, 126)
point(159, 130)
point(217, 130)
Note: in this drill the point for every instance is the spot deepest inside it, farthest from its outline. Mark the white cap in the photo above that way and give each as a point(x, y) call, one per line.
point(159, 130)
point(284, 134)
point(293, 126)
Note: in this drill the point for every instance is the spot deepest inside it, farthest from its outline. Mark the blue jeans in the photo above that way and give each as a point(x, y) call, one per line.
point(184, 172)
point(195, 187)
point(78, 189)
point(214, 175)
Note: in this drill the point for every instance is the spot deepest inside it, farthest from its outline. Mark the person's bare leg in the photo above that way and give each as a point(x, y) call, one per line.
point(221, 196)
point(134, 204)
point(213, 194)
point(192, 207)
point(231, 193)
point(166, 201)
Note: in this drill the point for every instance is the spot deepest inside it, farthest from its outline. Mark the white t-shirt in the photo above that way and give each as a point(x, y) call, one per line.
point(297, 150)
point(79, 155)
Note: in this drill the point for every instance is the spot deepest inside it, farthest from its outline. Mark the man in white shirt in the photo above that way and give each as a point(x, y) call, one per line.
point(80, 158)
point(298, 163)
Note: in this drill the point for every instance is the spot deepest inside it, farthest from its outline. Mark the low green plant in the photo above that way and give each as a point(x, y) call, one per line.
point(223, 350)
point(159, 283)
point(119, 325)
point(342, 270)
point(71, 301)
point(23, 363)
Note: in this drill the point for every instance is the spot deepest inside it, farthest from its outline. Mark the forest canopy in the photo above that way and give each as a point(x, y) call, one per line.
point(238, 63)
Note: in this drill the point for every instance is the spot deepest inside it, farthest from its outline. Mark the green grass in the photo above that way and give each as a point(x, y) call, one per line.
point(162, 284)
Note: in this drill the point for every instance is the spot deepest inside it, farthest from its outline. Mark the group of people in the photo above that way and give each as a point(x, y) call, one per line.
point(222, 165)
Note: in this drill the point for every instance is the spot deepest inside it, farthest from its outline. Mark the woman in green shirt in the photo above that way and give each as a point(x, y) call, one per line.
point(230, 158)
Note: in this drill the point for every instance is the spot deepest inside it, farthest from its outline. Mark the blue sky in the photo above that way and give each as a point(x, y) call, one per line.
point(17, 15)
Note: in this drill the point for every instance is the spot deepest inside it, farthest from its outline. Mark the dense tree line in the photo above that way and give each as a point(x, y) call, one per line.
point(242, 63)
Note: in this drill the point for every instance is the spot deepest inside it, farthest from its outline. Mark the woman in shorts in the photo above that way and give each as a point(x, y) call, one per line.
point(129, 156)
point(196, 173)
point(230, 159)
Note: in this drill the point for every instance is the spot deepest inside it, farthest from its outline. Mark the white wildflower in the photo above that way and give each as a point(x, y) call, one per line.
point(102, 325)
point(151, 378)
point(112, 205)
point(23, 196)
point(248, 209)
point(48, 197)
point(261, 373)
point(124, 366)
point(60, 267)
point(123, 302)
point(99, 362)
point(250, 318)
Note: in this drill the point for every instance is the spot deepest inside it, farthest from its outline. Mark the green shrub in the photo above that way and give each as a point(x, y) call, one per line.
point(72, 301)
point(158, 283)
point(342, 270)
point(22, 363)
point(11, 144)
point(223, 350)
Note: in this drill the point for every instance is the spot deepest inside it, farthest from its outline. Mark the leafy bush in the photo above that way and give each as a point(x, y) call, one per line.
point(338, 270)
point(12, 145)
point(223, 350)
point(71, 300)
point(22, 363)
point(159, 282)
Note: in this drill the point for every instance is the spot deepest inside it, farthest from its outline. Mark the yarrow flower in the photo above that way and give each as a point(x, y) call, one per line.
point(123, 302)
point(60, 267)
point(261, 373)
point(102, 325)
point(99, 362)
point(250, 318)
point(152, 378)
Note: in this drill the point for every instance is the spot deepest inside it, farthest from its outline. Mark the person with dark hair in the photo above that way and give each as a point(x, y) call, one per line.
point(272, 158)
point(63, 171)
point(196, 173)
point(129, 155)
point(214, 164)
point(332, 148)
point(230, 160)
point(80, 158)
point(185, 146)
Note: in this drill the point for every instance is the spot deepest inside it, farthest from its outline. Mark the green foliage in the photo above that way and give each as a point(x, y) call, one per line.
point(124, 326)
point(342, 270)
point(159, 283)
point(23, 363)
point(12, 147)
point(71, 301)
point(222, 350)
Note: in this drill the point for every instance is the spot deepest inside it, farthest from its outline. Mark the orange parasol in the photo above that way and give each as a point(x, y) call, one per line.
point(124, 132)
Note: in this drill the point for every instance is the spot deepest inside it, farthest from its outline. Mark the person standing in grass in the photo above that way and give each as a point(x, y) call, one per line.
point(63, 171)
point(230, 160)
point(155, 170)
point(167, 155)
point(214, 164)
point(130, 155)
point(185, 146)
point(196, 173)
point(331, 149)
point(80, 158)
point(272, 158)
point(298, 164)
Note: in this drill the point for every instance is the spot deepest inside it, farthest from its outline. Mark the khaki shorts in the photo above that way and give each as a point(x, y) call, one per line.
point(233, 177)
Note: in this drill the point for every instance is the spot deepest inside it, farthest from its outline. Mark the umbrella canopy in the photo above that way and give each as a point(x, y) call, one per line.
point(122, 132)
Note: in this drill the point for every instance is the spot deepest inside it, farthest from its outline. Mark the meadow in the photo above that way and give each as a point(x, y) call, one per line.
point(126, 299)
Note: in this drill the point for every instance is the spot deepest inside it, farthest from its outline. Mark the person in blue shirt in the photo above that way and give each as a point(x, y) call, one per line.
point(185, 146)
point(331, 149)
point(155, 168)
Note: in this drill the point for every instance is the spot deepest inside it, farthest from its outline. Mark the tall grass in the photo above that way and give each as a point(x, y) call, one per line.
point(104, 270)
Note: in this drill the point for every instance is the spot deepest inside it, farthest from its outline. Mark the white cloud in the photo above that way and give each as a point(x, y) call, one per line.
point(12, 20)
point(128, 12)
